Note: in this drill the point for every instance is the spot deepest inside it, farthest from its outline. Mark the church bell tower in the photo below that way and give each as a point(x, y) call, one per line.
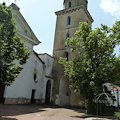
point(74, 11)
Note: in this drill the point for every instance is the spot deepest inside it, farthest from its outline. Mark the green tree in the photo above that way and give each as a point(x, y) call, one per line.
point(11, 47)
point(97, 64)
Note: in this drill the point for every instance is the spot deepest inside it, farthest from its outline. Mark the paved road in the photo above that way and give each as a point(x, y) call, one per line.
point(37, 112)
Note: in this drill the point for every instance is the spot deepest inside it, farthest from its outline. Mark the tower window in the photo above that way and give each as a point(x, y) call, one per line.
point(67, 36)
point(68, 20)
point(69, 5)
point(66, 56)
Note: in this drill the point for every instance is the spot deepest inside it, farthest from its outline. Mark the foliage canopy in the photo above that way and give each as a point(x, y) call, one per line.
point(97, 64)
point(11, 47)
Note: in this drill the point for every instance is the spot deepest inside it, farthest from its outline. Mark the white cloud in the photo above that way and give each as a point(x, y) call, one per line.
point(112, 7)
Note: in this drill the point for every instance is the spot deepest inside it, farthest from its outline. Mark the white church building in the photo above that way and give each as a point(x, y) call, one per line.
point(34, 84)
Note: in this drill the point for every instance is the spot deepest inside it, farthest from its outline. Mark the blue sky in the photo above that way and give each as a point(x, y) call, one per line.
point(41, 18)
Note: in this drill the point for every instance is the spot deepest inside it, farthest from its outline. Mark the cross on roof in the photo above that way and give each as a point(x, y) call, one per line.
point(15, 1)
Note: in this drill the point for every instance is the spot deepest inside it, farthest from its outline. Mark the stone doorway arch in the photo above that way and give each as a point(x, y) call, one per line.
point(48, 92)
point(64, 92)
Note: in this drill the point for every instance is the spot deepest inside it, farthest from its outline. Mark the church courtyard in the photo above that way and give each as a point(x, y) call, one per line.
point(38, 112)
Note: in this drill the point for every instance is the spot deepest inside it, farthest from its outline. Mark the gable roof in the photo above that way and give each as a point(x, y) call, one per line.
point(18, 17)
point(46, 54)
point(38, 57)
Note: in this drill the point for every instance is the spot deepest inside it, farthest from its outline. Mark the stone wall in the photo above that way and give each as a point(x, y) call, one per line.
point(22, 101)
point(17, 101)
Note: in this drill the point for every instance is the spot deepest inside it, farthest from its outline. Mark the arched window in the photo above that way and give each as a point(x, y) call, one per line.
point(69, 5)
point(35, 76)
point(66, 56)
point(68, 20)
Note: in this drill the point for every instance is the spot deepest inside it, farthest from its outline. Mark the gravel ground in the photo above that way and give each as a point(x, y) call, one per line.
point(38, 112)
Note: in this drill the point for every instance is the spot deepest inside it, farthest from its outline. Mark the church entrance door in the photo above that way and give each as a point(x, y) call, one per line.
point(64, 92)
point(48, 92)
point(33, 96)
point(2, 88)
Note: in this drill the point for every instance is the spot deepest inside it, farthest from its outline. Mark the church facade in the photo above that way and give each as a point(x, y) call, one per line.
point(74, 11)
point(34, 84)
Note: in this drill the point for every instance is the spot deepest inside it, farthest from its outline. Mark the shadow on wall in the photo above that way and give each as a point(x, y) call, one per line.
point(5, 118)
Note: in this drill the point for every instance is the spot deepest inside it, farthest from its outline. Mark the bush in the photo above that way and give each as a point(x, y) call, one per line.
point(117, 114)
point(96, 108)
point(91, 108)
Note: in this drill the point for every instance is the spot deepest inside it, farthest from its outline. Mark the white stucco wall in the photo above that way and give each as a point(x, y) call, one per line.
point(48, 63)
point(48, 60)
point(23, 85)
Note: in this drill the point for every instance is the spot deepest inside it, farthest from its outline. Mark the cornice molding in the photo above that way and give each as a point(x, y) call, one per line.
point(25, 24)
point(65, 11)
point(32, 41)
